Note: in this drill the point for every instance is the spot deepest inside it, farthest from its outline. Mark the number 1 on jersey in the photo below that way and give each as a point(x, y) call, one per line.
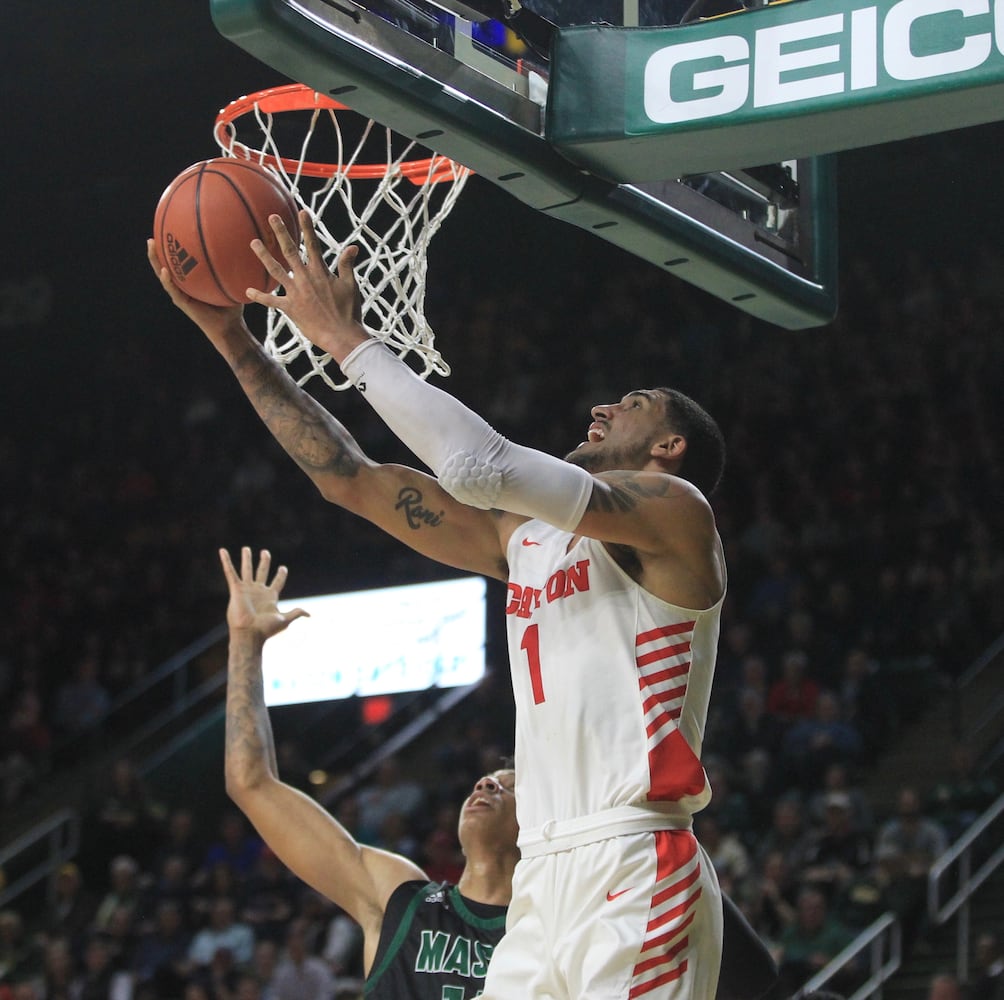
point(530, 644)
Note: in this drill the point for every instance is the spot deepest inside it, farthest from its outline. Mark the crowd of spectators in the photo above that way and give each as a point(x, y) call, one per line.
point(166, 904)
point(214, 917)
point(860, 510)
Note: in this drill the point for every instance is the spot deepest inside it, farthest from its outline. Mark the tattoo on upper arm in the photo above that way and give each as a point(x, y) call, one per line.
point(624, 494)
point(411, 503)
point(310, 435)
point(410, 500)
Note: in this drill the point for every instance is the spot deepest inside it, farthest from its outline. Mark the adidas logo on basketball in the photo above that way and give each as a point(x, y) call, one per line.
point(180, 261)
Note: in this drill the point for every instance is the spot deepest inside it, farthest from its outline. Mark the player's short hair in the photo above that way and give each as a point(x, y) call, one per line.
point(704, 459)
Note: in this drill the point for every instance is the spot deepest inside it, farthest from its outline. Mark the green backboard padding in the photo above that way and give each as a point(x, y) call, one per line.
point(785, 81)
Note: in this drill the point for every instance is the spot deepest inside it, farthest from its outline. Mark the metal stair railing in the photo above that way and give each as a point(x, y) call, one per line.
point(883, 940)
point(56, 839)
point(984, 835)
point(974, 718)
point(181, 691)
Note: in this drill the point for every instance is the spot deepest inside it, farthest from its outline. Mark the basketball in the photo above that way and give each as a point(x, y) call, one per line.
point(204, 224)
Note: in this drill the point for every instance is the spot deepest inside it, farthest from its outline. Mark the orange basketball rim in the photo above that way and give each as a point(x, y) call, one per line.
point(299, 97)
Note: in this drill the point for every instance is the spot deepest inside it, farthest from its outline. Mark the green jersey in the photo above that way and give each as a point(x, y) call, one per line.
point(434, 944)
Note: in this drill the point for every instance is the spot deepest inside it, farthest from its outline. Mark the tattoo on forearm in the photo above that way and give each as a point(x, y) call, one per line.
point(416, 514)
point(248, 729)
point(311, 436)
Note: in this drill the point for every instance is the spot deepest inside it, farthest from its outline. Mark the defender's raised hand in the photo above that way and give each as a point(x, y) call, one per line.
point(254, 601)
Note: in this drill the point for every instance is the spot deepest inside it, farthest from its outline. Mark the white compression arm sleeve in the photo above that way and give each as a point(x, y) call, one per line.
point(474, 463)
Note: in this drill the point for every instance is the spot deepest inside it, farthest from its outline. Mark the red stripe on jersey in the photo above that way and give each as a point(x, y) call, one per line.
point(674, 770)
point(647, 680)
point(662, 632)
point(675, 911)
point(662, 653)
point(660, 721)
point(660, 939)
point(674, 849)
point(664, 959)
point(661, 697)
point(667, 977)
point(677, 887)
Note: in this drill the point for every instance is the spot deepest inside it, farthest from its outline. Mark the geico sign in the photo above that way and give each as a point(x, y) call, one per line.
point(853, 39)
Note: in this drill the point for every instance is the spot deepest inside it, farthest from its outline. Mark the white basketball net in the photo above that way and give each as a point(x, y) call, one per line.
point(386, 207)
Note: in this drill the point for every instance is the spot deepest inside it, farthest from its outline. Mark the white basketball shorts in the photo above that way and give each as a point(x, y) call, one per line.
point(636, 915)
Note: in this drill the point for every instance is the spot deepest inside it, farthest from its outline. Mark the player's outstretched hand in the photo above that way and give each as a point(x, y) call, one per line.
point(210, 319)
point(325, 307)
point(254, 600)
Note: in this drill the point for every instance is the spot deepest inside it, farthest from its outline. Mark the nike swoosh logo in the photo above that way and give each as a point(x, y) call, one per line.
point(528, 543)
point(611, 896)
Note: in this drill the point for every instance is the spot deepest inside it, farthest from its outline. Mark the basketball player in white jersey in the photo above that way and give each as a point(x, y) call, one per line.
point(616, 580)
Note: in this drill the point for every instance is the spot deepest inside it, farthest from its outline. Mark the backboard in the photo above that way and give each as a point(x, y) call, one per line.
point(475, 89)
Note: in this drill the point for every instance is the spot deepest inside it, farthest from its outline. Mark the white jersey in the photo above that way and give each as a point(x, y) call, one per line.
point(612, 687)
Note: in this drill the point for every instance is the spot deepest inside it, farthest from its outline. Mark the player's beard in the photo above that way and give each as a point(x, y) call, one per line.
point(609, 459)
point(589, 462)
